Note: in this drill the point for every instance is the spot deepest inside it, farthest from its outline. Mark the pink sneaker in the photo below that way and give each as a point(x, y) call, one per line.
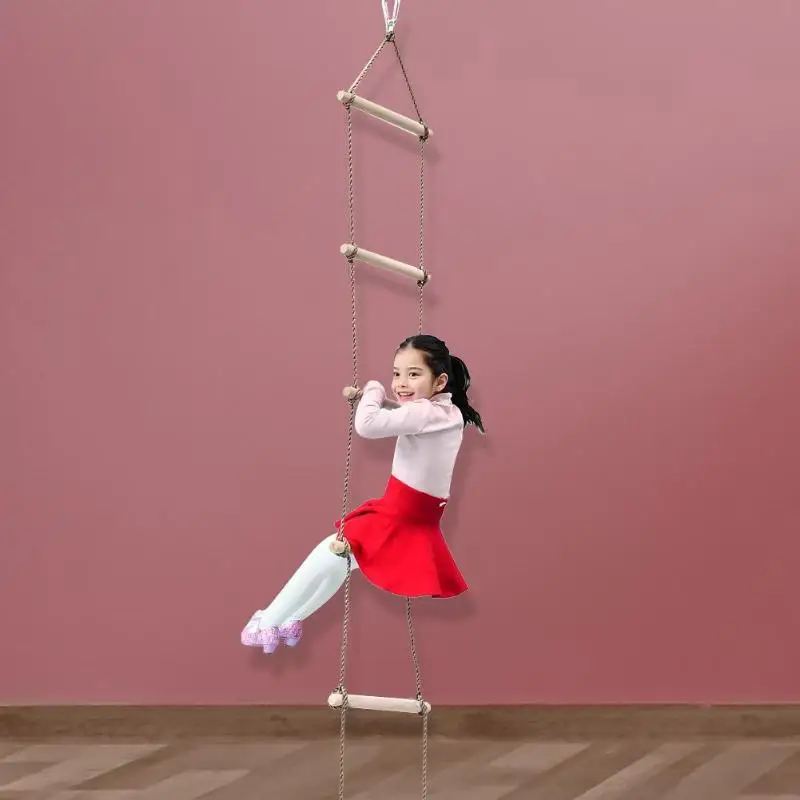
point(291, 632)
point(250, 631)
point(269, 639)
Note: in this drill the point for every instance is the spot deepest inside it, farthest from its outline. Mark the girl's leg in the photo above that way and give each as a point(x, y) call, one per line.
point(315, 582)
point(326, 588)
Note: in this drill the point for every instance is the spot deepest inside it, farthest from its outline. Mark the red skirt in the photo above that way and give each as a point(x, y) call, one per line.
point(398, 544)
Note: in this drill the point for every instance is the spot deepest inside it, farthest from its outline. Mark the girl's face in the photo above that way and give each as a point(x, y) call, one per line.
point(413, 378)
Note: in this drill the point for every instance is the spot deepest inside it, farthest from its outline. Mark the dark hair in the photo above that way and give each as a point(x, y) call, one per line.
point(440, 361)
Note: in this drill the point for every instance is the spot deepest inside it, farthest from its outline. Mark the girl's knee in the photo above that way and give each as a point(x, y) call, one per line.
point(326, 549)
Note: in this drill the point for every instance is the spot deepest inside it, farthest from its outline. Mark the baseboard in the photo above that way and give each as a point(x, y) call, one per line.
point(164, 723)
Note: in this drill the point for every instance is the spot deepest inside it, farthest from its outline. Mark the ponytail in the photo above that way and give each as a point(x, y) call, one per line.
point(458, 382)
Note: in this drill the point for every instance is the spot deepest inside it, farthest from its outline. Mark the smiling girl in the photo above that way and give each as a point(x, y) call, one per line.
point(395, 540)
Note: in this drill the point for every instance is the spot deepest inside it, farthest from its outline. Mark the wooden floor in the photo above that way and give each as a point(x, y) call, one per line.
point(388, 768)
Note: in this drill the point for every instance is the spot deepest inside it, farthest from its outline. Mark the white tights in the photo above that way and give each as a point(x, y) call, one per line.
point(315, 582)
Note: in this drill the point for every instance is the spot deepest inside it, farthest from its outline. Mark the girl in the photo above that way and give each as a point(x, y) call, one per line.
point(395, 540)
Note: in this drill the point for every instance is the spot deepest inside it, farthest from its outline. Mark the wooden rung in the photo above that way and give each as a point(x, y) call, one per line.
point(384, 262)
point(369, 703)
point(386, 114)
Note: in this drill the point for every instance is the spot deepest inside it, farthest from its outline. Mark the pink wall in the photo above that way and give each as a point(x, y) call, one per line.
point(613, 203)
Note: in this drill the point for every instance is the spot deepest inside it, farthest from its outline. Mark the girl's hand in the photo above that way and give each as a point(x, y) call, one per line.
point(339, 547)
point(351, 393)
